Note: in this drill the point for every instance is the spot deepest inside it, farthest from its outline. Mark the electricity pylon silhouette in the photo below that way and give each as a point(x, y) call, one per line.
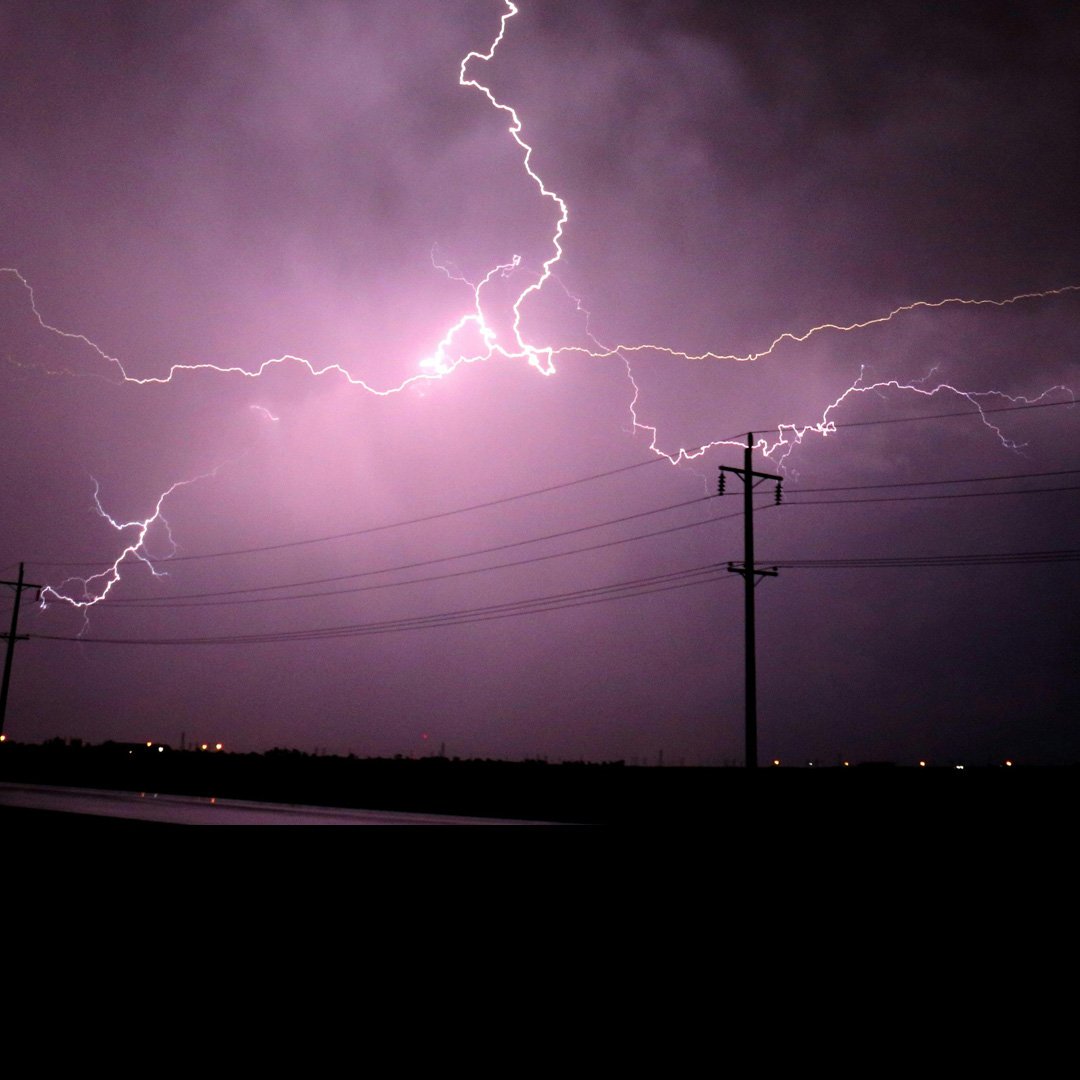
point(750, 575)
point(18, 586)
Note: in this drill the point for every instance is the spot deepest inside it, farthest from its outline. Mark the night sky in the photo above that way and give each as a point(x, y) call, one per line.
point(220, 185)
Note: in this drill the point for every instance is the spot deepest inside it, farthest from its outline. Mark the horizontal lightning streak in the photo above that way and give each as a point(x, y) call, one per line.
point(447, 356)
point(441, 362)
point(798, 339)
point(825, 426)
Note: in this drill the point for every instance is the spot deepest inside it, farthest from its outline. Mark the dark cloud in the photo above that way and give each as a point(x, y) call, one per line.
point(227, 183)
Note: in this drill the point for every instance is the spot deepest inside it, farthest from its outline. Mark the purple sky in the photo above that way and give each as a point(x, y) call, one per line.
point(230, 183)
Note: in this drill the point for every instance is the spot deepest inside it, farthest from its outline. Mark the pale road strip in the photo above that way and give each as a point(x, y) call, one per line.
point(193, 810)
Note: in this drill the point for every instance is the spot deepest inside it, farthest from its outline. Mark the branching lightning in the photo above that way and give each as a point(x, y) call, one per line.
point(448, 355)
point(790, 435)
point(441, 361)
point(826, 426)
point(85, 592)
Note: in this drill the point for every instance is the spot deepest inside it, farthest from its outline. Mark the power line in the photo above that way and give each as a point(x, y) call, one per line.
point(978, 411)
point(1015, 558)
point(537, 491)
point(214, 598)
point(440, 515)
point(444, 558)
point(949, 415)
point(929, 483)
point(535, 605)
point(711, 572)
point(923, 498)
point(183, 601)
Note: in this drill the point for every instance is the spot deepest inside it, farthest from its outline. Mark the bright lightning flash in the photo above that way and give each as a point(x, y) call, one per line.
point(84, 593)
point(445, 358)
point(448, 355)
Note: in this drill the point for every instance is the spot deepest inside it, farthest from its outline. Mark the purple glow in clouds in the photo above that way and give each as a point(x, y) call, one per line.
point(314, 258)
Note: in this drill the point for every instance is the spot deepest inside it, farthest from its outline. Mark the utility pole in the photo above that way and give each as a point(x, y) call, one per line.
point(18, 586)
point(750, 575)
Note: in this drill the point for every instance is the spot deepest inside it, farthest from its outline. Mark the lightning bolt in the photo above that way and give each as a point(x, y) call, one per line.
point(541, 359)
point(826, 426)
point(441, 361)
point(84, 593)
point(791, 435)
point(798, 339)
point(449, 354)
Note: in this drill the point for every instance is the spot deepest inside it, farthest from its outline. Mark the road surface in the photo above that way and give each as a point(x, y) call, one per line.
point(195, 810)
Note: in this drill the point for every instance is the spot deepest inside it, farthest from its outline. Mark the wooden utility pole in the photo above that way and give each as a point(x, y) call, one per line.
point(18, 586)
point(750, 575)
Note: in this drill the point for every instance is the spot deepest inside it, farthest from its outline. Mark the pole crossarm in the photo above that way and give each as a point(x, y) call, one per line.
point(25, 585)
point(741, 474)
point(758, 571)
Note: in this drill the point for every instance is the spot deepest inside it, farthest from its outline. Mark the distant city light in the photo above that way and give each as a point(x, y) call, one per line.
point(217, 746)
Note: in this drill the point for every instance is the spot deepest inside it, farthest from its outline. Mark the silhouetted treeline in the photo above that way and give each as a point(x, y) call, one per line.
point(530, 790)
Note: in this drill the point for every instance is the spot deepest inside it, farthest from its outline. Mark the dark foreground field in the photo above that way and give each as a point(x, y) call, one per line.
point(859, 798)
